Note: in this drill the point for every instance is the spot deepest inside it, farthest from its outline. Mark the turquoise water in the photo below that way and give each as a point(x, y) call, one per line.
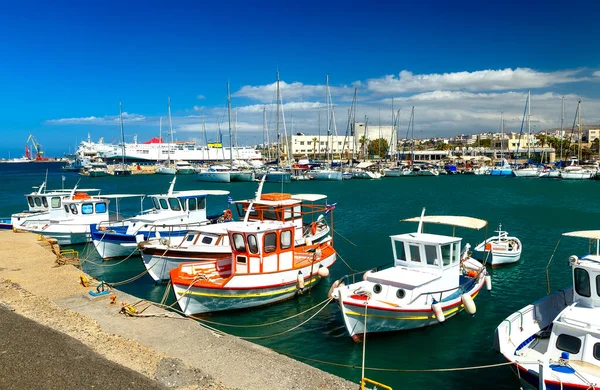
point(535, 210)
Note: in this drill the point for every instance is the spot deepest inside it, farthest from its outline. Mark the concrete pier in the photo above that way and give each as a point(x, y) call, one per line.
point(170, 350)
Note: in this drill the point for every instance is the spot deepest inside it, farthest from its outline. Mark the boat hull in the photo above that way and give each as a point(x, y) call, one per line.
point(278, 177)
point(159, 261)
point(186, 171)
point(241, 176)
point(381, 317)
point(329, 176)
point(526, 172)
point(238, 292)
point(165, 171)
point(501, 172)
point(218, 177)
point(581, 175)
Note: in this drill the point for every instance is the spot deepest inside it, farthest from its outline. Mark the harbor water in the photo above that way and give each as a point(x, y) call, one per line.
point(537, 211)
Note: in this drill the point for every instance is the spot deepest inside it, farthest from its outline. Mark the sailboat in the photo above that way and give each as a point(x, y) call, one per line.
point(504, 168)
point(166, 168)
point(122, 169)
point(529, 170)
point(329, 174)
point(574, 171)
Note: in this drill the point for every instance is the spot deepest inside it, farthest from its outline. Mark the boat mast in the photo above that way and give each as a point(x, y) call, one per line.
point(277, 126)
point(122, 134)
point(230, 136)
point(412, 115)
point(265, 134)
point(579, 127)
point(562, 116)
point(170, 132)
point(364, 143)
point(328, 117)
point(529, 125)
point(204, 134)
point(160, 137)
point(502, 136)
point(393, 128)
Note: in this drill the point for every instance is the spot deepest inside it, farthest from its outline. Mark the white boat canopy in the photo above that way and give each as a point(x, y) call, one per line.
point(365, 164)
point(309, 197)
point(119, 196)
point(591, 234)
point(195, 193)
point(466, 222)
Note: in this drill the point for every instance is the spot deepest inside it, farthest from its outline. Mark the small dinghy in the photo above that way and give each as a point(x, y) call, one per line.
point(504, 248)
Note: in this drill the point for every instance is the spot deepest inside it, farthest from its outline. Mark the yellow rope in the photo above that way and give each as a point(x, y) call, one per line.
point(339, 234)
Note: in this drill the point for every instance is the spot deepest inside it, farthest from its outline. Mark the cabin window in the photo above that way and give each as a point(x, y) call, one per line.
point(174, 203)
point(38, 201)
point(400, 253)
point(45, 201)
point(155, 203)
point(55, 202)
point(400, 293)
point(242, 210)
point(30, 200)
point(431, 255)
point(207, 240)
point(242, 259)
point(377, 288)
point(582, 282)
point(285, 239)
point(270, 214)
point(270, 242)
point(67, 208)
point(183, 204)
point(415, 253)
point(597, 351)
point(201, 203)
point(252, 244)
point(288, 214)
point(238, 242)
point(163, 204)
point(598, 285)
point(192, 204)
point(568, 343)
point(190, 237)
point(87, 208)
point(100, 208)
point(73, 208)
point(447, 254)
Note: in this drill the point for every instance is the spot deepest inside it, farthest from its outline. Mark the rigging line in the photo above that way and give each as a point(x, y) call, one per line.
point(467, 368)
point(348, 265)
point(286, 331)
point(340, 234)
point(326, 301)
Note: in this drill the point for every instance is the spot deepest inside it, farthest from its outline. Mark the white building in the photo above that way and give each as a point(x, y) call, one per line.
point(371, 133)
point(314, 146)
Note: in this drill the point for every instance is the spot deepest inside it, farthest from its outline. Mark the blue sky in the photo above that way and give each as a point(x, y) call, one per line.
point(64, 66)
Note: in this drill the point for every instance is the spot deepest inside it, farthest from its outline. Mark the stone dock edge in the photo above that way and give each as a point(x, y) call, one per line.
point(173, 351)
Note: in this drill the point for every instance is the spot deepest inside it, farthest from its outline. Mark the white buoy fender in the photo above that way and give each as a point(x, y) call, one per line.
point(488, 282)
point(300, 279)
point(437, 310)
point(332, 288)
point(323, 272)
point(366, 274)
point(467, 301)
point(472, 265)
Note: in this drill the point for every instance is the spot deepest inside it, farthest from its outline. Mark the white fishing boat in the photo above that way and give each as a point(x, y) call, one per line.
point(216, 173)
point(184, 168)
point(264, 267)
point(554, 342)
point(172, 215)
point(430, 280)
point(70, 224)
point(161, 255)
point(502, 248)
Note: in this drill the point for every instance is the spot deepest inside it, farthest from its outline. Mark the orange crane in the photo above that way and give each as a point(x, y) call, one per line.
point(35, 145)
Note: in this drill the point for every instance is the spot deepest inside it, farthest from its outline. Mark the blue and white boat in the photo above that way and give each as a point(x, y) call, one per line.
point(173, 214)
point(503, 169)
point(554, 343)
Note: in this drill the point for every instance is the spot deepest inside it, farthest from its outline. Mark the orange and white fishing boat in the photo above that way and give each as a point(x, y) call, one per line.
point(265, 267)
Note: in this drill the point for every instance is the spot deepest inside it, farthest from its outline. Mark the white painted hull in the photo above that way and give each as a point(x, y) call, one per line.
point(115, 250)
point(328, 176)
point(392, 173)
point(576, 175)
point(160, 265)
point(550, 174)
point(218, 177)
point(162, 170)
point(239, 293)
point(241, 176)
point(366, 175)
point(185, 171)
point(64, 234)
point(526, 172)
point(382, 317)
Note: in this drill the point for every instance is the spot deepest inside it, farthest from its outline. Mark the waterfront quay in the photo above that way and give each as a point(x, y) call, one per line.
point(48, 303)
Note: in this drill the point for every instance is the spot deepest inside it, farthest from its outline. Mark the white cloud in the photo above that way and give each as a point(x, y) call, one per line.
point(483, 80)
point(291, 92)
point(93, 120)
point(596, 73)
point(200, 97)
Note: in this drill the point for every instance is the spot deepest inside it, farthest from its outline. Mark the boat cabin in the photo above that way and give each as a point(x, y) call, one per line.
point(190, 205)
point(299, 209)
point(262, 248)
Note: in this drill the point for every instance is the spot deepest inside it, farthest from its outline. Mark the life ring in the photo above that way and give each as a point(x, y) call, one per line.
point(313, 228)
point(227, 215)
point(102, 228)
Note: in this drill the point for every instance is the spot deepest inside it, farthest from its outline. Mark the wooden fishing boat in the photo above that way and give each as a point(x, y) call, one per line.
point(265, 267)
point(504, 249)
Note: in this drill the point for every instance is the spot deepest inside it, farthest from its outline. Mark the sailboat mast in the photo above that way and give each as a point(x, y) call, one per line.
point(277, 126)
point(204, 134)
point(328, 116)
point(265, 137)
point(412, 116)
point(529, 125)
point(502, 135)
point(393, 128)
point(230, 136)
point(159, 137)
point(579, 127)
point(170, 132)
point(122, 134)
point(562, 119)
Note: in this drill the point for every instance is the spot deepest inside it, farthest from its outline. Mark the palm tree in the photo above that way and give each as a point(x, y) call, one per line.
point(362, 142)
point(315, 140)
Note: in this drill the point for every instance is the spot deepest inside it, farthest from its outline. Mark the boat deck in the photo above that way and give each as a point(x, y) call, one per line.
point(536, 349)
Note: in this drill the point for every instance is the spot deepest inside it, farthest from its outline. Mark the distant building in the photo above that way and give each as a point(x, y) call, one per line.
point(319, 147)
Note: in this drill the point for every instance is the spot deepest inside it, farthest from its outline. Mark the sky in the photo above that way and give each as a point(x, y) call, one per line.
point(65, 65)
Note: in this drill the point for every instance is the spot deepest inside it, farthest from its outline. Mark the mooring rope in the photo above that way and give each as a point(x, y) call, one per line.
point(340, 234)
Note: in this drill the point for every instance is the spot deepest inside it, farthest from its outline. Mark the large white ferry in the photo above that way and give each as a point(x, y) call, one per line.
point(157, 150)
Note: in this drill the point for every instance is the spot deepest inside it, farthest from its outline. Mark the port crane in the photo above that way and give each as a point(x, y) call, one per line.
point(35, 145)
